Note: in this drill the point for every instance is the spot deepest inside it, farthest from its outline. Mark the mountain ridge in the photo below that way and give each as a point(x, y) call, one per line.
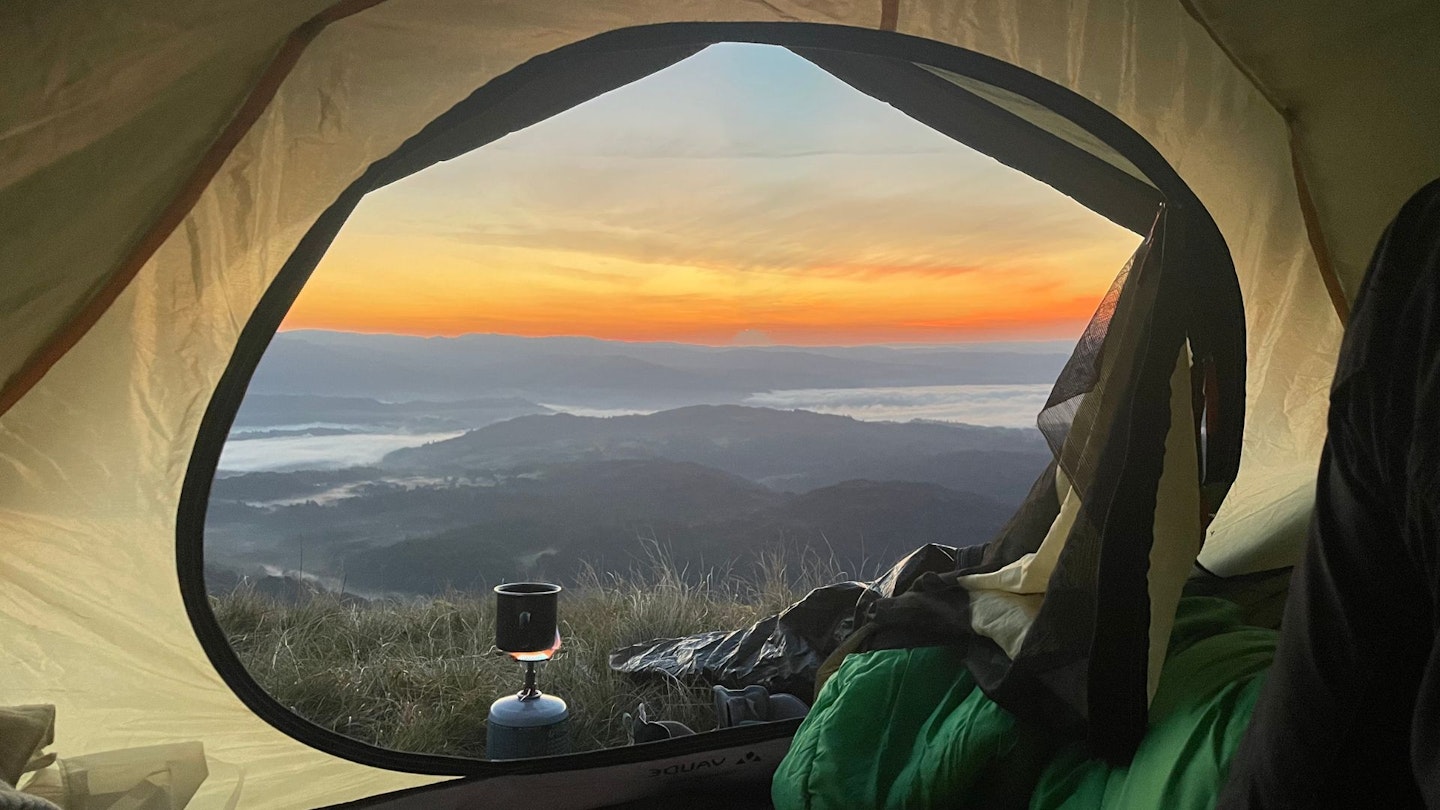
point(787, 450)
point(605, 373)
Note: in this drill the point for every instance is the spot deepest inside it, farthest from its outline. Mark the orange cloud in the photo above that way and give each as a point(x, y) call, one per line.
point(448, 291)
point(626, 219)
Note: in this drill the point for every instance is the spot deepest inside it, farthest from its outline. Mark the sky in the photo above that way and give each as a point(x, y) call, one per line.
point(740, 197)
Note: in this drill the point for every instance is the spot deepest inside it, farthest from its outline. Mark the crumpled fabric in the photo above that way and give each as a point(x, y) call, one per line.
point(782, 653)
point(12, 799)
point(25, 731)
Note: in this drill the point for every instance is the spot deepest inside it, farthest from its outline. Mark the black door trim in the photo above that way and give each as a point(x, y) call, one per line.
point(541, 87)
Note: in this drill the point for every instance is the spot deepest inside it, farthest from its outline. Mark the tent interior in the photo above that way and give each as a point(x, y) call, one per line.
point(170, 177)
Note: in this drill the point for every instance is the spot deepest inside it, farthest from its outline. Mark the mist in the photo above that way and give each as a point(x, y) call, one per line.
point(282, 454)
point(988, 405)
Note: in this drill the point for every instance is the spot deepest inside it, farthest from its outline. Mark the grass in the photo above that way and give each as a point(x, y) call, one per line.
point(420, 676)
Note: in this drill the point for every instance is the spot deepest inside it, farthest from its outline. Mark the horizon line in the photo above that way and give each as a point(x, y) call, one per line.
point(746, 345)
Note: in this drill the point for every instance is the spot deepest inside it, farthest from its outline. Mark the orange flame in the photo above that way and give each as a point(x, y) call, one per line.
point(539, 655)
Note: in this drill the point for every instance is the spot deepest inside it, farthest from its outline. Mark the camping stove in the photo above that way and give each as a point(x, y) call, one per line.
point(530, 723)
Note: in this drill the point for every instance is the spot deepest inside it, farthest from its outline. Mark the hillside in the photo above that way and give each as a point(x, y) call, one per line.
point(794, 451)
point(556, 520)
point(606, 515)
point(532, 492)
point(352, 666)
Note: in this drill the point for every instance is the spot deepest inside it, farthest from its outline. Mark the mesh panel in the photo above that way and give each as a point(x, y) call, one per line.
point(1086, 537)
point(1082, 370)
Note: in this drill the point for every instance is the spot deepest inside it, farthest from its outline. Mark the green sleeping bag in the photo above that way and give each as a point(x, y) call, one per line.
point(908, 729)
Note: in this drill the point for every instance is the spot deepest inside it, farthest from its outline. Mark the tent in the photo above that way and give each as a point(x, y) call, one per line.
point(160, 166)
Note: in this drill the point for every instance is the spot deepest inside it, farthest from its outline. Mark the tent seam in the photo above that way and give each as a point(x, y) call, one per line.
point(1309, 213)
point(1260, 86)
point(1318, 245)
point(889, 15)
point(246, 114)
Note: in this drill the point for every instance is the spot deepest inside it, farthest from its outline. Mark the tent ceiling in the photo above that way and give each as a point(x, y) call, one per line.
point(1359, 84)
point(142, 100)
point(96, 146)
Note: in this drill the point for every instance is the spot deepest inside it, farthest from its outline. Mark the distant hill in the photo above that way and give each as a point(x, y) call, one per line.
point(602, 373)
point(794, 451)
point(530, 491)
point(259, 410)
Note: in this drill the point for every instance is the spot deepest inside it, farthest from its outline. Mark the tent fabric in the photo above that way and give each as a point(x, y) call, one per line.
point(104, 117)
point(94, 455)
point(1342, 76)
point(1045, 119)
point(108, 111)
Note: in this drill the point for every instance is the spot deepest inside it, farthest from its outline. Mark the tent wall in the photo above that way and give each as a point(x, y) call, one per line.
point(91, 459)
point(105, 112)
point(1161, 73)
point(1359, 86)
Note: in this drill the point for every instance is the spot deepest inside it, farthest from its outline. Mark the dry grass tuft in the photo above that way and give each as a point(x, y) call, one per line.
point(420, 676)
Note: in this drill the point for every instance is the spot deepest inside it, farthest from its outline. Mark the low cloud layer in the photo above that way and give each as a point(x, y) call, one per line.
point(318, 452)
point(991, 405)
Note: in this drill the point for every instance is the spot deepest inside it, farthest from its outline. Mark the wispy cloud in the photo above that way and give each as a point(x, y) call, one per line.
point(741, 189)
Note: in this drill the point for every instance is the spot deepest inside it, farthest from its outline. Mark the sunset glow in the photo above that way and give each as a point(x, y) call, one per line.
point(742, 196)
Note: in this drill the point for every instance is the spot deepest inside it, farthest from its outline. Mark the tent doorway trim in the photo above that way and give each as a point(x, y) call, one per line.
point(552, 83)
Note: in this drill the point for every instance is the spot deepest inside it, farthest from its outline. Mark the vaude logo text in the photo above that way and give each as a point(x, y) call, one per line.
point(699, 764)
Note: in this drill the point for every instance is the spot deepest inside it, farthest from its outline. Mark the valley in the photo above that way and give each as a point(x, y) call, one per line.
point(386, 496)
